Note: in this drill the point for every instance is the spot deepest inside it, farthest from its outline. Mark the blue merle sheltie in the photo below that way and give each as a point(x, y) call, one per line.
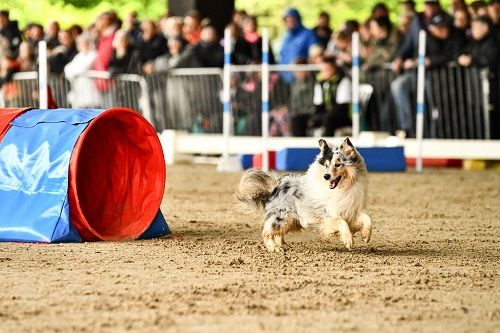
point(330, 195)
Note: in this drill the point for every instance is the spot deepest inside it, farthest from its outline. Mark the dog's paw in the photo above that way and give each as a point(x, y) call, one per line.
point(366, 233)
point(366, 229)
point(274, 243)
point(346, 240)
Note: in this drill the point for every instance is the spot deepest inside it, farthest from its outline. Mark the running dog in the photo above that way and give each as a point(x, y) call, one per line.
point(331, 195)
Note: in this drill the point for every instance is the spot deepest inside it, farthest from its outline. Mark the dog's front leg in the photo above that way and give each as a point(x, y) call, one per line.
point(332, 225)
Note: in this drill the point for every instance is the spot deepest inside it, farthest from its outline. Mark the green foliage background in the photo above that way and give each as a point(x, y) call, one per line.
point(269, 12)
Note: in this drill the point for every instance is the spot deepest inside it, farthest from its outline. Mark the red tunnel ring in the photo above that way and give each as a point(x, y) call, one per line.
point(117, 177)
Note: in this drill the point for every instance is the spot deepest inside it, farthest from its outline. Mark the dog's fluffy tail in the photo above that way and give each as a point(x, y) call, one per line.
point(255, 188)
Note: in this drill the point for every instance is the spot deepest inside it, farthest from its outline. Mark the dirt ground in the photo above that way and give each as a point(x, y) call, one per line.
point(432, 266)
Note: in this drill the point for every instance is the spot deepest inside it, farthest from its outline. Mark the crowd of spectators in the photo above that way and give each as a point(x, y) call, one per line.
point(467, 34)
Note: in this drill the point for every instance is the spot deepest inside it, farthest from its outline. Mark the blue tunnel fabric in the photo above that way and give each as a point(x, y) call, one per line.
point(34, 164)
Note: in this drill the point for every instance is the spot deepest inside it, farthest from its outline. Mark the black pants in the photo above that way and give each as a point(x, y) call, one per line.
point(335, 120)
point(300, 124)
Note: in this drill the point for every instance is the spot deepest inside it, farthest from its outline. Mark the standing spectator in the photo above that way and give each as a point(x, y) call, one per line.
point(461, 21)
point(75, 30)
point(484, 52)
point(494, 14)
point(457, 5)
point(340, 48)
point(443, 45)
point(26, 58)
point(478, 8)
point(322, 30)
point(296, 41)
point(167, 61)
point(407, 13)
point(208, 52)
point(238, 19)
point(408, 7)
point(410, 43)
point(34, 34)
point(332, 97)
point(83, 92)
point(10, 31)
point(191, 29)
point(8, 67)
point(301, 97)
point(133, 28)
point(62, 54)
point(380, 10)
point(125, 58)
point(52, 35)
point(106, 26)
point(252, 37)
point(151, 44)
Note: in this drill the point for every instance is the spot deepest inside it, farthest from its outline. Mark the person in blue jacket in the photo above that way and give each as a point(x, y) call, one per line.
point(296, 41)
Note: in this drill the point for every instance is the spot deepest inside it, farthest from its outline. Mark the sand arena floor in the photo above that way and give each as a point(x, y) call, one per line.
point(432, 265)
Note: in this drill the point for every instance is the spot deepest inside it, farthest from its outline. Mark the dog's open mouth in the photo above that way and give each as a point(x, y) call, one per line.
point(335, 182)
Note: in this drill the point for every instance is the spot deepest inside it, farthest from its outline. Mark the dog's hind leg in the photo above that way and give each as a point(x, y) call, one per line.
point(275, 229)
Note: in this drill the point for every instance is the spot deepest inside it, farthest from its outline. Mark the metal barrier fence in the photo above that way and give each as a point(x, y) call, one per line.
point(458, 99)
point(93, 90)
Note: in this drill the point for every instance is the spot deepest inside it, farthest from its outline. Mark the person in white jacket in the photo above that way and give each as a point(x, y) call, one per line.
point(83, 92)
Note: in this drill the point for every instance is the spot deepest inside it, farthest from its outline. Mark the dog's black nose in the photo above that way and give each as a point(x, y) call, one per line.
point(327, 176)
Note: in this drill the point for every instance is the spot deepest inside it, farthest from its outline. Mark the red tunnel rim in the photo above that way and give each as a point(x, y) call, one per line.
point(89, 233)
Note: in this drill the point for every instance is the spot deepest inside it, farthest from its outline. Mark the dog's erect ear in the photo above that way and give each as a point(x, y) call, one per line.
point(348, 142)
point(323, 145)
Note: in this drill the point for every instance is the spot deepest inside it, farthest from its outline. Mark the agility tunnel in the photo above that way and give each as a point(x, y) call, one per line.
point(69, 175)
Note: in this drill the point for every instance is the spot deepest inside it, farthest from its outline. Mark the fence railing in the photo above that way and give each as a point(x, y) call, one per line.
point(457, 98)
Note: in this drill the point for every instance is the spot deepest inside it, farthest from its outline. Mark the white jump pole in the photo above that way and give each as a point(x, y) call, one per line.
point(226, 92)
point(227, 163)
point(42, 75)
point(355, 84)
point(265, 99)
point(420, 99)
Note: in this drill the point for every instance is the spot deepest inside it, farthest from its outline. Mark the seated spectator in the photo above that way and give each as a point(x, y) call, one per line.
point(83, 92)
point(301, 98)
point(10, 31)
point(296, 41)
point(27, 58)
point(151, 44)
point(52, 35)
point(322, 30)
point(332, 97)
point(60, 56)
point(124, 57)
point(443, 45)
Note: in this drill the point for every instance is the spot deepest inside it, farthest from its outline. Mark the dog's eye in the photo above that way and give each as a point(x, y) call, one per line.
point(338, 165)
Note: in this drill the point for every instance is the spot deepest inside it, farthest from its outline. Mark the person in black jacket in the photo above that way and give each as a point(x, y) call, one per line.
point(484, 52)
point(61, 55)
point(124, 57)
point(207, 52)
point(151, 44)
point(10, 30)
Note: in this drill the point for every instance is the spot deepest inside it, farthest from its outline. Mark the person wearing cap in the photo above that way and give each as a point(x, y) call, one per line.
point(444, 43)
point(296, 41)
